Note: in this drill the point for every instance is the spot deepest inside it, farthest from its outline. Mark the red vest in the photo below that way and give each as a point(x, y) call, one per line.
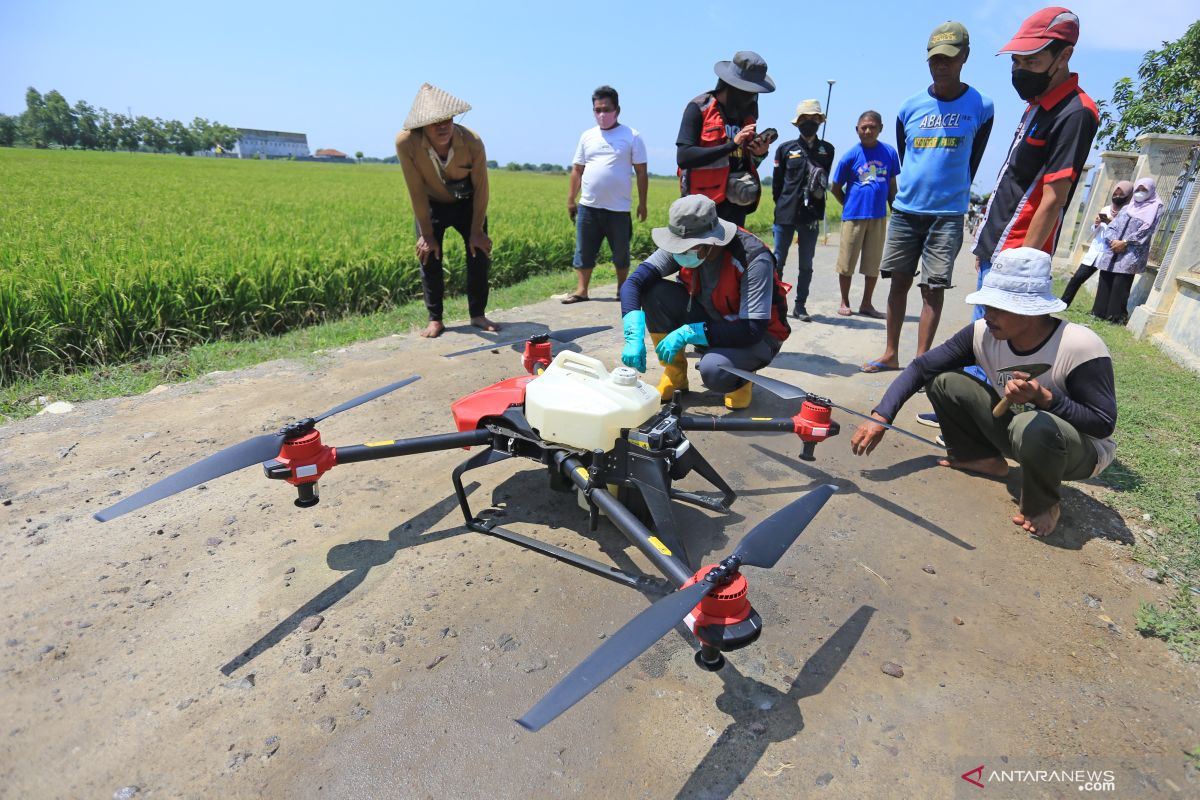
point(710, 180)
point(727, 295)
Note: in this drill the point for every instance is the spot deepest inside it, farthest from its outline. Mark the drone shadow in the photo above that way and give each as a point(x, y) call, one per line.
point(763, 715)
point(356, 559)
point(844, 484)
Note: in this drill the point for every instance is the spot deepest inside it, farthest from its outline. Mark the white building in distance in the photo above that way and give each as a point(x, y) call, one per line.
point(254, 143)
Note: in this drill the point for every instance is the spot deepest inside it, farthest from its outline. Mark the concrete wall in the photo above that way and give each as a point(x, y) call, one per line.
point(1166, 298)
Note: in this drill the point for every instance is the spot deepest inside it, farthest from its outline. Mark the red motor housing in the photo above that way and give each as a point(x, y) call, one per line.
point(306, 458)
point(814, 423)
point(724, 619)
point(537, 354)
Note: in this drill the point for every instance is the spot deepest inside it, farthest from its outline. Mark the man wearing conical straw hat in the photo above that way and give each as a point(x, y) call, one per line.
point(445, 167)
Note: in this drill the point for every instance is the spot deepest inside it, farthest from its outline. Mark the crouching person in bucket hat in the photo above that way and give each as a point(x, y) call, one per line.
point(727, 302)
point(1056, 377)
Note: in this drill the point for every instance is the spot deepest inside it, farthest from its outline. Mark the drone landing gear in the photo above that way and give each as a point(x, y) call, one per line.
point(709, 658)
point(490, 525)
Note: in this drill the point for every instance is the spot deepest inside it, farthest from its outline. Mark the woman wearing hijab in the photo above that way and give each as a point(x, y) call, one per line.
point(1128, 249)
point(1087, 265)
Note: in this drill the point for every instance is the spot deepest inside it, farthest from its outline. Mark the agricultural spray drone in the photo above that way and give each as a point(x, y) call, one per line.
point(604, 436)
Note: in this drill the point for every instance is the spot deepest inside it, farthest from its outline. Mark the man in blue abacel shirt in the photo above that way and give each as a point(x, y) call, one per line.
point(865, 184)
point(941, 133)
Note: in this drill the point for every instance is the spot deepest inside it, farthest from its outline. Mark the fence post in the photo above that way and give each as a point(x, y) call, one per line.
point(1165, 158)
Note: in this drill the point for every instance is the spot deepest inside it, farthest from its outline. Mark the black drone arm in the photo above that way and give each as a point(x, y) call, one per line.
point(372, 451)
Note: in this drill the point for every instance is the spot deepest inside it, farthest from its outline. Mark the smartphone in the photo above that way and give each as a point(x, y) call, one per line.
point(768, 136)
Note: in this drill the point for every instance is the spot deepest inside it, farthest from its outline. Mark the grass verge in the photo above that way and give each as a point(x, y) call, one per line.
point(19, 399)
point(1157, 473)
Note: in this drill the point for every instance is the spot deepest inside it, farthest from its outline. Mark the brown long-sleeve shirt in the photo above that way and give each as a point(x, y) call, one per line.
point(425, 183)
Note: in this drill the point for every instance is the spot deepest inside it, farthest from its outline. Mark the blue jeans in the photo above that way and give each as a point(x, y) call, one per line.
point(592, 227)
point(984, 268)
point(806, 240)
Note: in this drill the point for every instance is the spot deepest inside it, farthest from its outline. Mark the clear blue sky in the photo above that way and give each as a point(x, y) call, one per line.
point(346, 73)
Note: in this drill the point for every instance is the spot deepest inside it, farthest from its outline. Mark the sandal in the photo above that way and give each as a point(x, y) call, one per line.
point(574, 298)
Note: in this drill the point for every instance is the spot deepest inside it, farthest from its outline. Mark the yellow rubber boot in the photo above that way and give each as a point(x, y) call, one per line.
point(739, 398)
point(674, 373)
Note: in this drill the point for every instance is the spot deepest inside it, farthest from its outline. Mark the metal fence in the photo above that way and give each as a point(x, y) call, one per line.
point(1178, 182)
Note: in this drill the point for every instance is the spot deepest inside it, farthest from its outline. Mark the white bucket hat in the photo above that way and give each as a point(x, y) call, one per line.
point(433, 105)
point(1019, 281)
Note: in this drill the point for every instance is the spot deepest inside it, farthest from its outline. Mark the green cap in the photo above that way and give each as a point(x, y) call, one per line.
point(948, 39)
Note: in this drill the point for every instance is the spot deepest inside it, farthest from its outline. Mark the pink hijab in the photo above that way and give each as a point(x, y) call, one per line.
point(1148, 210)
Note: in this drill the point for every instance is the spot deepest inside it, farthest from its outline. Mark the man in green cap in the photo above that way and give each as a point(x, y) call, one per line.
point(941, 133)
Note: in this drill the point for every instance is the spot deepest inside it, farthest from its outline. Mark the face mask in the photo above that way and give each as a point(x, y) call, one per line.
point(1140, 196)
point(1030, 84)
point(1119, 201)
point(740, 104)
point(809, 128)
point(688, 260)
point(606, 119)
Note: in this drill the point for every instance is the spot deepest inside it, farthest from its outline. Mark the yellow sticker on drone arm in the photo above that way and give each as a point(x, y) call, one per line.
point(380, 444)
point(583, 473)
point(659, 546)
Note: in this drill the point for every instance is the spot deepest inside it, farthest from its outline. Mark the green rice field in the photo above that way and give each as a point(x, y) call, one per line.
point(111, 257)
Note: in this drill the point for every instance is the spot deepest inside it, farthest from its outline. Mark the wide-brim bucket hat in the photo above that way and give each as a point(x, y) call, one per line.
point(692, 221)
point(746, 71)
point(433, 105)
point(1019, 281)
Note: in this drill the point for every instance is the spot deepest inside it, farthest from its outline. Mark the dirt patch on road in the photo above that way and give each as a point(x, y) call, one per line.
point(225, 642)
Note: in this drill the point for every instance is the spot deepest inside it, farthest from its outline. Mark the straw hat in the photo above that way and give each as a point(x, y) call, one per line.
point(433, 105)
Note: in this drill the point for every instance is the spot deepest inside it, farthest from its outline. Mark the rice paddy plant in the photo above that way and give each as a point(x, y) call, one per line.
point(109, 257)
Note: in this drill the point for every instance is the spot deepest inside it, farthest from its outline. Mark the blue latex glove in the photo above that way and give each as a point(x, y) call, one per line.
point(634, 353)
point(681, 337)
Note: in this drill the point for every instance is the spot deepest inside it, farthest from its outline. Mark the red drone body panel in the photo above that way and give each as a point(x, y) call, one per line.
point(490, 402)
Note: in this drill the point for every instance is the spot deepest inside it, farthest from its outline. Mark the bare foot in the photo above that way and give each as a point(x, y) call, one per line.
point(993, 467)
point(1042, 524)
point(872, 312)
point(484, 323)
point(433, 330)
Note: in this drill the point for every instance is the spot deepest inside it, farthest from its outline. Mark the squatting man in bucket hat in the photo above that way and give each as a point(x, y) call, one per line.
point(445, 168)
point(1057, 377)
point(727, 302)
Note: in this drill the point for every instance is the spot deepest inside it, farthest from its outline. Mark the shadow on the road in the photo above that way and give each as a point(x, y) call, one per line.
point(847, 485)
point(1083, 518)
point(856, 322)
point(900, 469)
point(763, 715)
point(356, 559)
point(819, 366)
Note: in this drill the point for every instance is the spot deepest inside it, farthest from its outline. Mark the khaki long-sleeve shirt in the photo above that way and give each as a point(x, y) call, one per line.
point(426, 183)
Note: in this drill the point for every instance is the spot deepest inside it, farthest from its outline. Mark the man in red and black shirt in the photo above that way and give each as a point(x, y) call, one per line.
point(1050, 146)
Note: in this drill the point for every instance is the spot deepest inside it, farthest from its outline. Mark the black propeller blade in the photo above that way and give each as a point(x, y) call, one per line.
point(762, 547)
point(231, 459)
point(789, 392)
point(565, 335)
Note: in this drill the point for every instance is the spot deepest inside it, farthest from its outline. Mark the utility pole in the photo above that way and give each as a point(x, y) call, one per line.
point(824, 125)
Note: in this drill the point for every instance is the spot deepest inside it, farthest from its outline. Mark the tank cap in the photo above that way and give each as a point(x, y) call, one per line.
point(624, 376)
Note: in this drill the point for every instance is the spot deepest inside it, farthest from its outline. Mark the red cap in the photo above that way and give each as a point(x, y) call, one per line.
point(1043, 27)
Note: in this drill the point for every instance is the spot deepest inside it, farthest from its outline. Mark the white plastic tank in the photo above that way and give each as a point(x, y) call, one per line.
point(577, 402)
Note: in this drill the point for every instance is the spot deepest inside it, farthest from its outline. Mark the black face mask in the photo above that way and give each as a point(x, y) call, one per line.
point(1120, 201)
point(808, 127)
point(739, 105)
point(1030, 84)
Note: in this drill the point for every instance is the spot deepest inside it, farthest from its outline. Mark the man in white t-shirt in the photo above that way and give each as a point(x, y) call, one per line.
point(605, 160)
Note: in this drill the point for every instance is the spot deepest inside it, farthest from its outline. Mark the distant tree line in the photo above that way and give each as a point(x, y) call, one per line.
point(513, 166)
point(49, 121)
